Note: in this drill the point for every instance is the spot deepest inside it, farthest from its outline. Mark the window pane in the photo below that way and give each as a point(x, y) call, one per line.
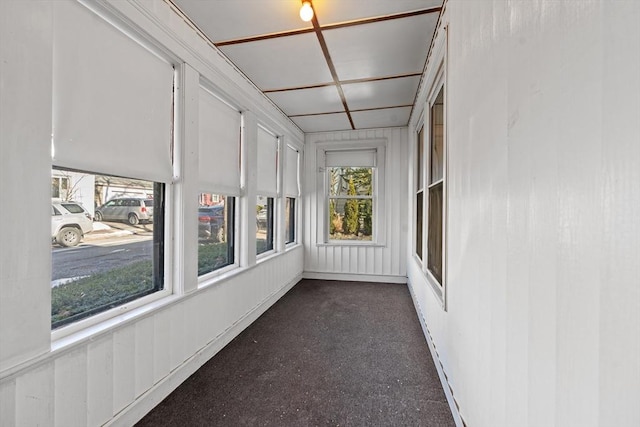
point(434, 239)
point(290, 220)
point(419, 220)
point(347, 181)
point(437, 137)
point(350, 219)
point(215, 232)
point(264, 224)
point(124, 260)
point(420, 160)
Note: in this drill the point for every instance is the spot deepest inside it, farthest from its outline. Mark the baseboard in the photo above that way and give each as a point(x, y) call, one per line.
point(354, 277)
point(448, 391)
point(148, 400)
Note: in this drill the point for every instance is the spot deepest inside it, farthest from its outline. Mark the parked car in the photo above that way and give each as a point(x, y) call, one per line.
point(69, 223)
point(261, 219)
point(211, 223)
point(130, 209)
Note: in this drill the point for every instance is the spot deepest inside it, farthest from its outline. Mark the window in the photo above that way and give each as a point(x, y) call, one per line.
point(219, 140)
point(290, 220)
point(435, 188)
point(60, 187)
point(126, 261)
point(215, 232)
point(267, 190)
point(419, 192)
point(113, 111)
point(353, 201)
point(292, 191)
point(350, 203)
point(264, 224)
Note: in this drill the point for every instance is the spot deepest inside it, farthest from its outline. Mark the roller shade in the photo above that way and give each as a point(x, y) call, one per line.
point(355, 158)
point(291, 173)
point(267, 163)
point(112, 99)
point(219, 145)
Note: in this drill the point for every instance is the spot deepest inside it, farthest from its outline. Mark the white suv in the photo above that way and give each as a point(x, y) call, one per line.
point(69, 222)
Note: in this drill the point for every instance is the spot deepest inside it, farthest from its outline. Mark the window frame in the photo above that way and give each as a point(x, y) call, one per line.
point(164, 261)
point(438, 83)
point(378, 192)
point(206, 278)
point(291, 238)
point(272, 214)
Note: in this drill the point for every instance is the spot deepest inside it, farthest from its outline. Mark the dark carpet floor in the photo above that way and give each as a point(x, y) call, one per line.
point(327, 354)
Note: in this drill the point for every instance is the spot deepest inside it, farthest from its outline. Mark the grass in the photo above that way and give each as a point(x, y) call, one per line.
point(211, 256)
point(100, 292)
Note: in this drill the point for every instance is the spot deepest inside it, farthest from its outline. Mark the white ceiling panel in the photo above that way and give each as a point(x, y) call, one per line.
point(323, 122)
point(308, 101)
point(224, 20)
point(382, 49)
point(378, 45)
point(381, 118)
point(334, 11)
point(282, 62)
point(382, 93)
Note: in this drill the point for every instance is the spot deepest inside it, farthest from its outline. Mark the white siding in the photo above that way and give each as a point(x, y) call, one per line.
point(543, 320)
point(359, 261)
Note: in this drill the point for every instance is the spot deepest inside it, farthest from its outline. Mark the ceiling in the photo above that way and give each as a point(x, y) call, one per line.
point(356, 65)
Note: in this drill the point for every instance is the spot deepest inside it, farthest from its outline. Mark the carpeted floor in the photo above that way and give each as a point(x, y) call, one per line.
point(327, 354)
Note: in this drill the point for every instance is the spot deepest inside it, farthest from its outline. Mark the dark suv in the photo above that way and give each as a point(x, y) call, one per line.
point(211, 223)
point(130, 209)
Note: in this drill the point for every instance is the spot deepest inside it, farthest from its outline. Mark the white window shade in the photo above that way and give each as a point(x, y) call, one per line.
point(219, 145)
point(291, 173)
point(354, 158)
point(112, 99)
point(267, 163)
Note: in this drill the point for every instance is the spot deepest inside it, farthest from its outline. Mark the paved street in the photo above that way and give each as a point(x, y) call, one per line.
point(99, 255)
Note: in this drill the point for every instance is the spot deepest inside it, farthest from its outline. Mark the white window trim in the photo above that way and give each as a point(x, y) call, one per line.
point(435, 79)
point(379, 190)
point(212, 277)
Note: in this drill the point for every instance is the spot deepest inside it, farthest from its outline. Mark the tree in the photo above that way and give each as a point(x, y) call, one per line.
point(351, 220)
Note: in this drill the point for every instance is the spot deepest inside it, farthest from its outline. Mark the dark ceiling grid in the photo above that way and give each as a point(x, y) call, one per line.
point(318, 30)
point(332, 68)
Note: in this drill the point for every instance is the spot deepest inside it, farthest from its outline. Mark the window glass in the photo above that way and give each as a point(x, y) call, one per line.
point(117, 258)
point(437, 138)
point(436, 206)
point(264, 224)
point(290, 219)
point(216, 216)
point(419, 192)
point(351, 203)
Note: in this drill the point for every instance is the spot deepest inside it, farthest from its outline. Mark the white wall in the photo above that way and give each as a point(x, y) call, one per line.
point(117, 370)
point(359, 262)
point(543, 320)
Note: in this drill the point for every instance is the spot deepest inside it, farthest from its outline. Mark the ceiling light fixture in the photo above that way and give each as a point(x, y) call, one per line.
point(306, 11)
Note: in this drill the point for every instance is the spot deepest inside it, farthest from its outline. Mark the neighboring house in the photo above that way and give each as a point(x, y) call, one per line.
point(76, 186)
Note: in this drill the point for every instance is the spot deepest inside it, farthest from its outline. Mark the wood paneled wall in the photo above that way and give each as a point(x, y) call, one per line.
point(92, 383)
point(386, 262)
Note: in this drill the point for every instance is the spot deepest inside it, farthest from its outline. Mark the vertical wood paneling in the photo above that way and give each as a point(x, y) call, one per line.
point(34, 397)
point(162, 345)
point(144, 355)
point(8, 403)
point(543, 320)
point(124, 367)
point(71, 394)
point(388, 260)
point(100, 381)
